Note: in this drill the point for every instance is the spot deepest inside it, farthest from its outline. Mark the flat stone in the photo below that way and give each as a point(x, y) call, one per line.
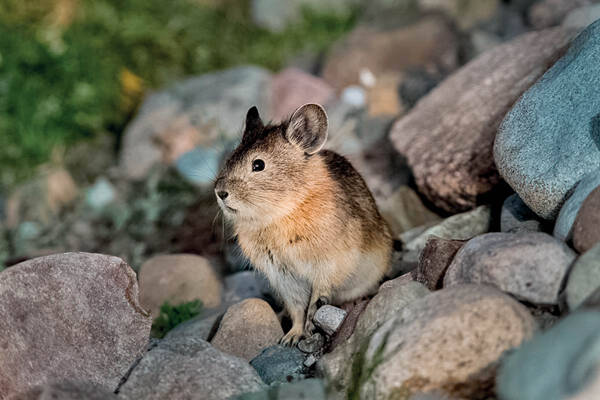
point(247, 328)
point(189, 368)
point(449, 341)
point(584, 277)
point(554, 120)
point(279, 364)
point(563, 228)
point(203, 326)
point(528, 265)
point(448, 137)
point(69, 316)
point(435, 259)
point(561, 363)
point(462, 226)
point(329, 318)
point(178, 278)
point(586, 228)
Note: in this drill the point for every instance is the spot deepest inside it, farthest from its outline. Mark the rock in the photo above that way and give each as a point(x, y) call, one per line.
point(41, 199)
point(584, 277)
point(392, 297)
point(205, 111)
point(189, 368)
point(279, 364)
point(429, 43)
point(517, 217)
point(463, 113)
point(404, 210)
point(247, 328)
point(559, 364)
point(69, 316)
point(457, 227)
point(203, 326)
point(568, 212)
point(535, 144)
point(312, 344)
point(586, 228)
point(435, 259)
point(467, 14)
point(292, 88)
point(198, 165)
point(580, 18)
point(548, 13)
point(528, 265)
point(415, 84)
point(383, 99)
point(450, 341)
point(277, 16)
point(67, 390)
point(307, 389)
point(244, 285)
point(100, 195)
point(178, 278)
point(329, 318)
point(354, 96)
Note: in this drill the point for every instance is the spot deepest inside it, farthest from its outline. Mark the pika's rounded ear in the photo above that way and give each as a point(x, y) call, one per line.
point(308, 128)
point(253, 121)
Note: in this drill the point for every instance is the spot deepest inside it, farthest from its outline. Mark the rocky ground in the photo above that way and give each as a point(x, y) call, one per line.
point(476, 124)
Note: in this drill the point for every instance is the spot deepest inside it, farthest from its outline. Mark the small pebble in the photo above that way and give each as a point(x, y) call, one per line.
point(312, 344)
point(329, 318)
point(310, 361)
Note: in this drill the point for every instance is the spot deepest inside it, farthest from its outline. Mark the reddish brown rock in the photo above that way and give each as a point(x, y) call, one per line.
point(429, 43)
point(586, 229)
point(292, 88)
point(434, 261)
point(69, 316)
point(448, 136)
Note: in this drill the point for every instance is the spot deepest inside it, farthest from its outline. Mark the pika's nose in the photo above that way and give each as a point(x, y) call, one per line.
point(222, 194)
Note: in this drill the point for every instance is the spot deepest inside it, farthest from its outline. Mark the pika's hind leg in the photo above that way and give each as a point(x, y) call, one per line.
point(295, 294)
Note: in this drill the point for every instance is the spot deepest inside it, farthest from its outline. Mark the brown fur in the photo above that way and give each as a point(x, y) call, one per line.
point(307, 221)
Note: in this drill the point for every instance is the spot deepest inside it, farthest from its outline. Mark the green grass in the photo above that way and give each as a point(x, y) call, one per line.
point(63, 82)
point(171, 316)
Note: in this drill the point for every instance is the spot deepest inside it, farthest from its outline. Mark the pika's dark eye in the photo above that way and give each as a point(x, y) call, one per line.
point(258, 165)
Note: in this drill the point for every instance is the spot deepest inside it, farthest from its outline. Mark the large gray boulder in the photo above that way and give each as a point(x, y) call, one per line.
point(551, 138)
point(69, 316)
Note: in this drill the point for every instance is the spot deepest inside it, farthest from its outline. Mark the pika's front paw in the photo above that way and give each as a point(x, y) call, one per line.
point(291, 338)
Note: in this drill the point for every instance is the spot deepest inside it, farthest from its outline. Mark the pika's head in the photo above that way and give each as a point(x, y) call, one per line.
point(272, 168)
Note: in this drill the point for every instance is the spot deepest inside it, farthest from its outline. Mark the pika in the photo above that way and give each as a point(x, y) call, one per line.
point(303, 216)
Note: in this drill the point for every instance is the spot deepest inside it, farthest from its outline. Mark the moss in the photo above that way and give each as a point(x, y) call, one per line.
point(171, 316)
point(72, 69)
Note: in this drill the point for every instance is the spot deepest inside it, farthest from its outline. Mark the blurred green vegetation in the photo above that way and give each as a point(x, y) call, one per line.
point(171, 316)
point(71, 69)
